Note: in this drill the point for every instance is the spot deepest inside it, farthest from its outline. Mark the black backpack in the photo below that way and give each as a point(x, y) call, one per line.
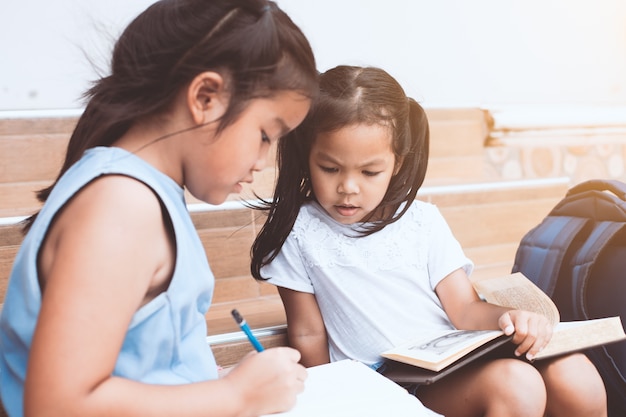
point(577, 255)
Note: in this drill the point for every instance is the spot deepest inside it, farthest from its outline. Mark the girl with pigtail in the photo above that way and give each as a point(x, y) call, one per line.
point(361, 266)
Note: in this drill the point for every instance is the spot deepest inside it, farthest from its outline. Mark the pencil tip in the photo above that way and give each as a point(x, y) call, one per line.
point(237, 316)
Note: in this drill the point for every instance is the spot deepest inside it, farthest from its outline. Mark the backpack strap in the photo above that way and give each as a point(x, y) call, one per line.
point(541, 251)
point(615, 186)
point(584, 259)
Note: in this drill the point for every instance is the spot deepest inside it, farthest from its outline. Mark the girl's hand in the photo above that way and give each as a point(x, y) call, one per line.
point(531, 331)
point(270, 380)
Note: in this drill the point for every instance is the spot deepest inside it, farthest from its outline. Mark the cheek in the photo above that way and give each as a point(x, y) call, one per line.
point(379, 186)
point(384, 185)
point(239, 157)
point(320, 184)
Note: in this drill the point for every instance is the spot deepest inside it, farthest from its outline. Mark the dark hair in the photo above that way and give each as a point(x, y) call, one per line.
point(348, 95)
point(252, 42)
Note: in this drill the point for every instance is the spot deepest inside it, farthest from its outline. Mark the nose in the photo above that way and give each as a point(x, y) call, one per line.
point(261, 161)
point(348, 185)
point(259, 165)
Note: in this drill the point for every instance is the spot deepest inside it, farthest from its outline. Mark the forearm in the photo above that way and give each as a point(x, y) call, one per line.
point(479, 315)
point(262, 383)
point(211, 398)
point(464, 307)
point(305, 327)
point(312, 347)
point(122, 397)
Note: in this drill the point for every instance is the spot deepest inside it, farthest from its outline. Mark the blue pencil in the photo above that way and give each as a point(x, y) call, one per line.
point(246, 329)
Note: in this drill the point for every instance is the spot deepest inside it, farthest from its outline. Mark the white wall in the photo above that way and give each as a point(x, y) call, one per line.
point(445, 52)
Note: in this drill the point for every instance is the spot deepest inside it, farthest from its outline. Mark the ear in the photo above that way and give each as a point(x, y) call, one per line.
point(206, 97)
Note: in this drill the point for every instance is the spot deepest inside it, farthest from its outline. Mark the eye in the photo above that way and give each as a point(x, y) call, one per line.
point(329, 170)
point(264, 137)
point(370, 173)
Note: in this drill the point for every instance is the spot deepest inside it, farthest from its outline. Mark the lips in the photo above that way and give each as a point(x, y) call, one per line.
point(347, 211)
point(239, 186)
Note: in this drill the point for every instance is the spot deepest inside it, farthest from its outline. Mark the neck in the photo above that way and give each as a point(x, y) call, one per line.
point(151, 142)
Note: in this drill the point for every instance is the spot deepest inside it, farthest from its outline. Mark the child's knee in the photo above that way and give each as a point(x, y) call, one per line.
point(574, 386)
point(574, 373)
point(522, 378)
point(519, 387)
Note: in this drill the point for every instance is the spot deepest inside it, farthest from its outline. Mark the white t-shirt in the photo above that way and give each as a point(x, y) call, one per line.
point(374, 292)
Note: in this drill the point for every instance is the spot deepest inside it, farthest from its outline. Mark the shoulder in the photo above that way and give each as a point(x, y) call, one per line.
point(113, 202)
point(419, 221)
point(422, 211)
point(113, 219)
point(419, 205)
point(119, 193)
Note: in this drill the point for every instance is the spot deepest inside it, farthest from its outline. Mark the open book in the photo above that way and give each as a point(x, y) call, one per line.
point(444, 351)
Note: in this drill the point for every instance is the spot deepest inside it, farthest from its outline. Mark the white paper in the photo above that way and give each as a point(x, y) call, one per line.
point(351, 389)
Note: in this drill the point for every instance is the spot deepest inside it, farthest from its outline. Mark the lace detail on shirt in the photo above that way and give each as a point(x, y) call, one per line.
point(325, 243)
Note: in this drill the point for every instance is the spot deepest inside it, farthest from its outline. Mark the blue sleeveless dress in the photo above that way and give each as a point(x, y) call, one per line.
point(166, 340)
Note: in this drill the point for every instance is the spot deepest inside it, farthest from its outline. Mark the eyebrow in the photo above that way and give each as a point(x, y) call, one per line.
point(325, 157)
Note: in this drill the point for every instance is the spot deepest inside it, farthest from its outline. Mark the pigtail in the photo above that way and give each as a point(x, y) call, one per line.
point(293, 188)
point(405, 184)
point(419, 133)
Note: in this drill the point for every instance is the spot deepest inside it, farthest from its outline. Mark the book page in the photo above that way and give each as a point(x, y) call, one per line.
point(577, 335)
point(351, 389)
point(435, 350)
point(518, 292)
